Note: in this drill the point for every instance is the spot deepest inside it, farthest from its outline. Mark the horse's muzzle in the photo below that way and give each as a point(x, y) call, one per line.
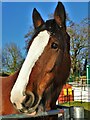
point(30, 103)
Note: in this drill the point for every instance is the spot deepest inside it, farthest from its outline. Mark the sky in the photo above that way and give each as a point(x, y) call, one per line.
point(17, 18)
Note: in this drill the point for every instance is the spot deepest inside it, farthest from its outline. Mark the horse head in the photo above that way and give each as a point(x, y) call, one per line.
point(46, 67)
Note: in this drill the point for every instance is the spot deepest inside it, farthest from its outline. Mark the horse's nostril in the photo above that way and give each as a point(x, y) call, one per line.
point(21, 111)
point(15, 104)
point(29, 100)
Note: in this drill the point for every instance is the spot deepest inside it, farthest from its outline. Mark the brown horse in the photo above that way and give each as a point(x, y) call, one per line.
point(36, 87)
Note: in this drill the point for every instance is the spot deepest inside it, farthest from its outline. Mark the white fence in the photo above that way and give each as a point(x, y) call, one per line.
point(82, 93)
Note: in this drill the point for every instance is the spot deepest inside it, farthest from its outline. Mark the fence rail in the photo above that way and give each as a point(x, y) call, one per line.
point(41, 114)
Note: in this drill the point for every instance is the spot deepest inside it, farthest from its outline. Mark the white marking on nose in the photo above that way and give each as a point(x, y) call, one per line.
point(36, 49)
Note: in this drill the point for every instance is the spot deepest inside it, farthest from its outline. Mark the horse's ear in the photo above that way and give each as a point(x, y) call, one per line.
point(60, 15)
point(37, 19)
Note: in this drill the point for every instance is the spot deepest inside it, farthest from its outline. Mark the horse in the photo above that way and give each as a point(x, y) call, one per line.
point(36, 86)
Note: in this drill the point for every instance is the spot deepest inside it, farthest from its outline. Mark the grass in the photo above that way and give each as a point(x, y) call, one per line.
point(86, 106)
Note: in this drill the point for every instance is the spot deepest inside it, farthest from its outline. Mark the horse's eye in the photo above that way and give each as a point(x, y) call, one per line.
point(54, 45)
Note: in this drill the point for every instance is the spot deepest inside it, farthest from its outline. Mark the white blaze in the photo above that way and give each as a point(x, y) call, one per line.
point(36, 49)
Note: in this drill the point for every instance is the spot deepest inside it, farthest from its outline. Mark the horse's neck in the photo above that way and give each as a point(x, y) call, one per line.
point(9, 80)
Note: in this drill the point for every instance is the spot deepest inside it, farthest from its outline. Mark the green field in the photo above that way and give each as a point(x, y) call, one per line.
point(86, 106)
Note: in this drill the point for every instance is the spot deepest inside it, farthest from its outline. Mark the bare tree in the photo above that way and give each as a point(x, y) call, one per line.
point(11, 58)
point(79, 45)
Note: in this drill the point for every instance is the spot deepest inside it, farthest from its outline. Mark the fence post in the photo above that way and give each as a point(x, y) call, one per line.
point(77, 113)
point(88, 74)
point(66, 115)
